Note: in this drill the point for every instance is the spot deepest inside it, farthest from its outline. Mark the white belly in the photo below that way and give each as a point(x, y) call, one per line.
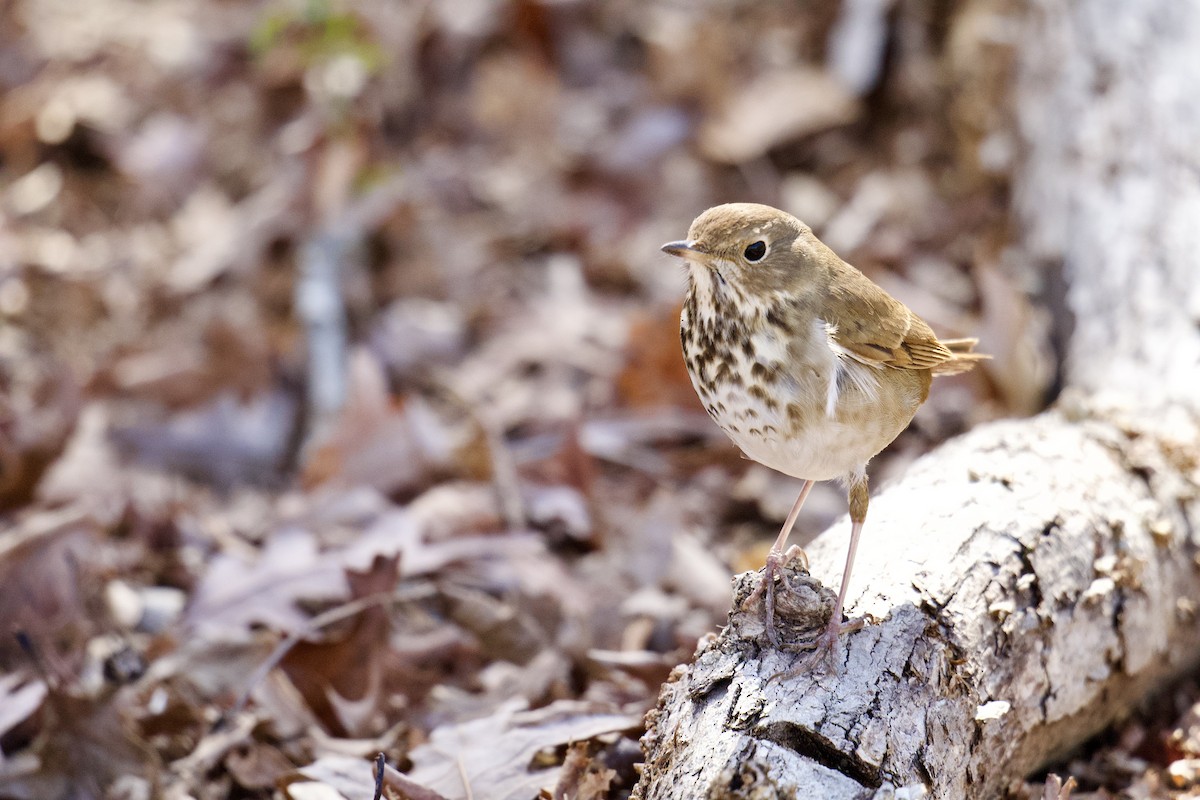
point(824, 452)
point(819, 421)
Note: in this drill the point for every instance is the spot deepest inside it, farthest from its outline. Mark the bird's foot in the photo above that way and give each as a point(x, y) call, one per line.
point(824, 648)
point(827, 645)
point(772, 572)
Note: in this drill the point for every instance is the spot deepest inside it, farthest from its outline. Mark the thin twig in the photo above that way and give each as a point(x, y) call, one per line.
point(462, 774)
point(380, 763)
point(505, 477)
point(406, 787)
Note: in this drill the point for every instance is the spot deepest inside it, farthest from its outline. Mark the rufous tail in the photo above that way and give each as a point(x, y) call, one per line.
point(963, 358)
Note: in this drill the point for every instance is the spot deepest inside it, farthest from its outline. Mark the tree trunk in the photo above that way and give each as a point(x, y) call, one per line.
point(1033, 579)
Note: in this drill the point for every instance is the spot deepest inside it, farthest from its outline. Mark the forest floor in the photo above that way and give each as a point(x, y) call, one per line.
point(341, 403)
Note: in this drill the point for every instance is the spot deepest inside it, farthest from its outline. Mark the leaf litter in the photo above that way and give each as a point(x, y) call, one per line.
point(341, 408)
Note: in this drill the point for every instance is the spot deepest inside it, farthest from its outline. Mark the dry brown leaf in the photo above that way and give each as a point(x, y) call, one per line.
point(257, 765)
point(341, 677)
point(213, 746)
point(374, 441)
point(352, 779)
point(88, 471)
point(654, 374)
point(226, 442)
point(426, 549)
point(38, 408)
point(233, 595)
point(802, 101)
point(85, 745)
point(1057, 789)
point(583, 778)
point(1018, 336)
point(19, 699)
point(44, 581)
point(495, 754)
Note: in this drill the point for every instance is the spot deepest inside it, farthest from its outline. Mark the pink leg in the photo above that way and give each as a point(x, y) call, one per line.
point(828, 640)
point(775, 563)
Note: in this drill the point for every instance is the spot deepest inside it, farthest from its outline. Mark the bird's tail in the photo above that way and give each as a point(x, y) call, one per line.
point(963, 356)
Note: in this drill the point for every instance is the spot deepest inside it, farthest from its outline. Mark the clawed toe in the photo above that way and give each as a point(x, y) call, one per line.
point(766, 590)
point(824, 648)
point(795, 553)
point(776, 577)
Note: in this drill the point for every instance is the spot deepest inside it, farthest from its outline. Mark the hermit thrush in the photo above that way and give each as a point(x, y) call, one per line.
point(804, 362)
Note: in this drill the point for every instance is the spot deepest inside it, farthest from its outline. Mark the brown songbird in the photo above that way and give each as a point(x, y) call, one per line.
point(809, 366)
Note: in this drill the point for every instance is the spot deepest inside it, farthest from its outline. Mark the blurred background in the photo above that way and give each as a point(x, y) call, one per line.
point(341, 400)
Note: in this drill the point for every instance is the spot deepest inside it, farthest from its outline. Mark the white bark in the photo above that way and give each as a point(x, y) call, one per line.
point(1033, 579)
point(1107, 98)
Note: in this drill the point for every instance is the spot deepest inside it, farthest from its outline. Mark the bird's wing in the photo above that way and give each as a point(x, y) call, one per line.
point(874, 328)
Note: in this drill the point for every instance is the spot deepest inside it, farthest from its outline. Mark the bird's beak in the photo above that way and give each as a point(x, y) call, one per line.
point(682, 249)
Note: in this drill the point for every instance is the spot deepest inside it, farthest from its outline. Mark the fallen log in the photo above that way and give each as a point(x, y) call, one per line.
point(1031, 580)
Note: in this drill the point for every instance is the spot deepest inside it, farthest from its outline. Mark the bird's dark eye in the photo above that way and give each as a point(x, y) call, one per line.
point(755, 251)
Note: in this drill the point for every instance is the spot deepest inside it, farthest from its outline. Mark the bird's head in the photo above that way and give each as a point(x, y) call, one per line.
point(754, 247)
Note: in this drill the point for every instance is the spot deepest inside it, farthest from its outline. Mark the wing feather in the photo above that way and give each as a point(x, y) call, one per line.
point(876, 329)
